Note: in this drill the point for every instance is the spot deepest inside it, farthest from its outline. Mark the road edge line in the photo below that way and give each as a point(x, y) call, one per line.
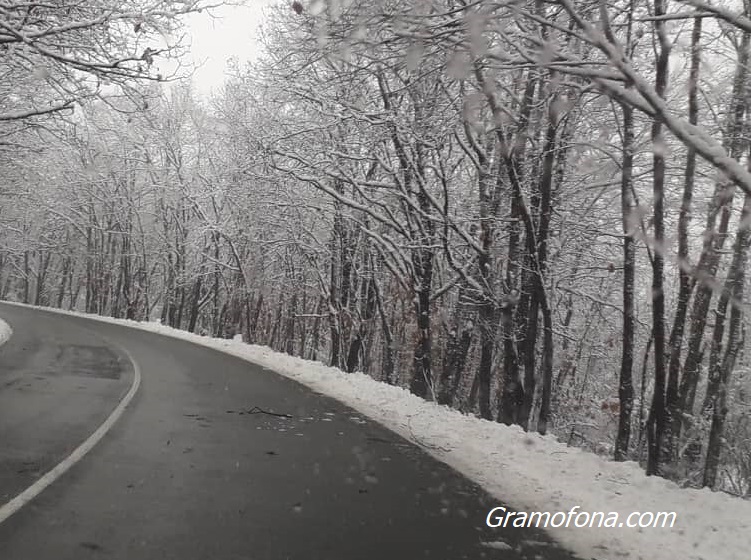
point(11, 507)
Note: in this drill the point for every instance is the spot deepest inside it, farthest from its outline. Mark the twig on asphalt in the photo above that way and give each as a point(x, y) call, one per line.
point(259, 410)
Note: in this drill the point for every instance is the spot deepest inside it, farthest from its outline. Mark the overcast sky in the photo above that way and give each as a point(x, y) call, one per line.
point(232, 32)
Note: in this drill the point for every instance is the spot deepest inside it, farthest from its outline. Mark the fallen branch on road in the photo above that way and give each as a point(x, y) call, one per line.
point(259, 410)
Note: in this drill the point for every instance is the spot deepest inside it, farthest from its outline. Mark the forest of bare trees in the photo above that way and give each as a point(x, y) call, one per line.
point(532, 211)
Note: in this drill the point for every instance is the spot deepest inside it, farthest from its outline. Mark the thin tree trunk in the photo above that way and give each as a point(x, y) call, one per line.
point(512, 394)
point(460, 339)
point(543, 230)
point(658, 417)
point(625, 381)
point(685, 284)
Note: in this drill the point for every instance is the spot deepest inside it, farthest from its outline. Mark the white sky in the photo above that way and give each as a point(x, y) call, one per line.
point(233, 31)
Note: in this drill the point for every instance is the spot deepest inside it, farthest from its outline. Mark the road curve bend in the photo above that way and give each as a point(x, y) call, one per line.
point(214, 458)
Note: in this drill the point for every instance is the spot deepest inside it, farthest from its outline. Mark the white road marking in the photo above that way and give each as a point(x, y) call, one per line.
point(79, 453)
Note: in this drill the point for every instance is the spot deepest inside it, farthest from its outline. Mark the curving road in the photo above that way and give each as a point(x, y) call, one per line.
point(188, 474)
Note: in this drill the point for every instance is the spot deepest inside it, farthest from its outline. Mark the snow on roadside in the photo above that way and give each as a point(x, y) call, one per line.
point(527, 471)
point(5, 332)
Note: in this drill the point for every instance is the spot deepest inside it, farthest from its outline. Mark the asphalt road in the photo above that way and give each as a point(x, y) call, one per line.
point(188, 473)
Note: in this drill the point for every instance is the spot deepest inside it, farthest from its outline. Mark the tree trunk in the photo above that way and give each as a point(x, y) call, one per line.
point(685, 284)
point(460, 339)
point(541, 238)
point(422, 376)
point(512, 393)
point(658, 417)
point(625, 380)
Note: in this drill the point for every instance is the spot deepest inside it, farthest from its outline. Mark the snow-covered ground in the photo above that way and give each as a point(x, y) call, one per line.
point(5, 332)
point(527, 471)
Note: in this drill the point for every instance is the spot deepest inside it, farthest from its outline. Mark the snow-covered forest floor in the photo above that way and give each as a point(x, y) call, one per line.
point(526, 471)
